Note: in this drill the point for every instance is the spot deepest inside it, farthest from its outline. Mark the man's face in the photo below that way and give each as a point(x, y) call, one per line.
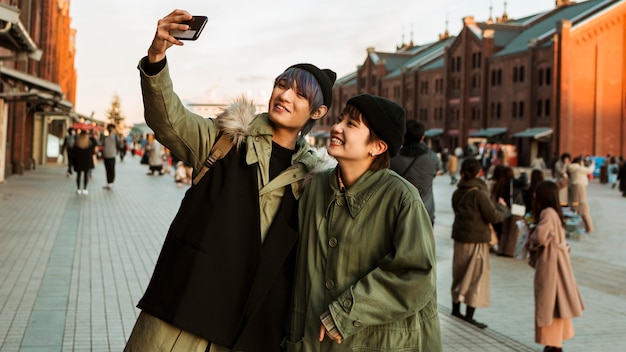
point(288, 107)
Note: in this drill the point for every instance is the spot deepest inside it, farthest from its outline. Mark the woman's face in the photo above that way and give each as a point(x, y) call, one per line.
point(288, 107)
point(350, 140)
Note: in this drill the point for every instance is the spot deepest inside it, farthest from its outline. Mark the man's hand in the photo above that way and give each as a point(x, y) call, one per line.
point(162, 38)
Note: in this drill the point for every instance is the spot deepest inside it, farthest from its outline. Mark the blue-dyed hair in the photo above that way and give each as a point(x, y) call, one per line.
point(308, 86)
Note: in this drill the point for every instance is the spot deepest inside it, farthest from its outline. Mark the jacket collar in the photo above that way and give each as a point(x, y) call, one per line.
point(356, 196)
point(475, 182)
point(260, 143)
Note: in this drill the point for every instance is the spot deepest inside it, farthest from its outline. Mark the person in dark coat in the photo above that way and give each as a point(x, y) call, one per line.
point(82, 160)
point(621, 177)
point(224, 276)
point(473, 212)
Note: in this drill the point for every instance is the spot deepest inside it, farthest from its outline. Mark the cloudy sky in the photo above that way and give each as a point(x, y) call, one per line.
point(247, 43)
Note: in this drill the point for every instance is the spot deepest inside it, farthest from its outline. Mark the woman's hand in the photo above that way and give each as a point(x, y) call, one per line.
point(162, 38)
point(501, 201)
point(325, 332)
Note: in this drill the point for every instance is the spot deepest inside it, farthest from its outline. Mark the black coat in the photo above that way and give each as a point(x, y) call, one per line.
point(214, 277)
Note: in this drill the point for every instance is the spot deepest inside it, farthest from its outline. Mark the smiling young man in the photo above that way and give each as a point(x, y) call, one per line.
point(225, 271)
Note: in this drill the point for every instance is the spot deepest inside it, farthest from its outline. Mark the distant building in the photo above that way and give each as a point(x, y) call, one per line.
point(37, 82)
point(546, 83)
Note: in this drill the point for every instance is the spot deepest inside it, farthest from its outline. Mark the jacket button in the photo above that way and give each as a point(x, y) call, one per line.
point(330, 284)
point(332, 242)
point(357, 323)
point(347, 303)
point(256, 139)
point(341, 202)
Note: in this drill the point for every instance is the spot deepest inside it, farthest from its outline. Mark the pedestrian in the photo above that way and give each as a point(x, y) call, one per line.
point(539, 163)
point(561, 177)
point(365, 273)
point(511, 190)
point(182, 175)
point(123, 149)
point(154, 151)
point(82, 161)
point(557, 299)
point(452, 168)
point(69, 141)
point(612, 171)
point(621, 177)
point(418, 164)
point(578, 174)
point(445, 156)
point(224, 273)
point(474, 211)
point(111, 144)
point(536, 176)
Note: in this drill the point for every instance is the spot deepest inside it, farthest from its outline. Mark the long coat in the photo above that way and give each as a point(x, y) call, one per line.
point(367, 255)
point(222, 274)
point(556, 292)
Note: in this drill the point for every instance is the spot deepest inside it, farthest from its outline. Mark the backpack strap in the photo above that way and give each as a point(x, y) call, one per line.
point(219, 150)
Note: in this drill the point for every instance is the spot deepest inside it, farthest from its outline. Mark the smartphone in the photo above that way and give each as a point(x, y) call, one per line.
point(196, 25)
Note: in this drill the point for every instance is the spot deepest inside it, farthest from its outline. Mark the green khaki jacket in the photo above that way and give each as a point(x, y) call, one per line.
point(368, 257)
point(191, 137)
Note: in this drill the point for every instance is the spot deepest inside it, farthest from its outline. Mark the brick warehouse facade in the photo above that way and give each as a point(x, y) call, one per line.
point(547, 83)
point(37, 80)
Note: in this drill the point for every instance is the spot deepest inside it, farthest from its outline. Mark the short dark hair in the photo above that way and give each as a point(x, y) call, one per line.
point(414, 131)
point(565, 155)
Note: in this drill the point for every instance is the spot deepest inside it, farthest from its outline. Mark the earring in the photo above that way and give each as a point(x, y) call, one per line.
point(372, 154)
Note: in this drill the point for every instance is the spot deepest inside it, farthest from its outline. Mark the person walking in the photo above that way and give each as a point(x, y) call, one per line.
point(155, 153)
point(452, 168)
point(557, 299)
point(561, 177)
point(365, 273)
point(69, 141)
point(111, 145)
point(418, 164)
point(224, 274)
point(473, 213)
point(621, 177)
point(82, 161)
point(578, 174)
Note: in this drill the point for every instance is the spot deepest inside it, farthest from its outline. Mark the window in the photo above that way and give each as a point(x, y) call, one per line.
point(514, 109)
point(480, 58)
point(451, 64)
point(521, 73)
point(493, 78)
point(373, 80)
point(539, 108)
point(500, 77)
point(492, 111)
point(548, 76)
point(540, 77)
point(498, 111)
point(458, 63)
point(547, 108)
point(515, 74)
point(520, 109)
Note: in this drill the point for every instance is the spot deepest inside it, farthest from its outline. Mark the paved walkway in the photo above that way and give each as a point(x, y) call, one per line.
point(72, 267)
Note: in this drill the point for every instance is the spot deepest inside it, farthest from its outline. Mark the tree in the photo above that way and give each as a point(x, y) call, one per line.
point(115, 115)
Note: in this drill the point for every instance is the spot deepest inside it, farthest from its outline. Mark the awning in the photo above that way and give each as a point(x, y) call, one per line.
point(13, 34)
point(433, 132)
point(535, 132)
point(488, 132)
point(31, 81)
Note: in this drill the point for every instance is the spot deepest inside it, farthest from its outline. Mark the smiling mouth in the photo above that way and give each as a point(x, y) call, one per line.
point(336, 141)
point(281, 107)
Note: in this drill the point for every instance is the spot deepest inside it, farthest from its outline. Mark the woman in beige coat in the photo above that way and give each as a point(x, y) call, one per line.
point(557, 299)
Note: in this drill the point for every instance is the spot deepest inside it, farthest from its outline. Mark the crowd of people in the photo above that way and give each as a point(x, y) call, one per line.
point(269, 252)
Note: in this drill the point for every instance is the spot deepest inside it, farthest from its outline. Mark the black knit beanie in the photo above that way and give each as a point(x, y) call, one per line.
point(326, 78)
point(385, 118)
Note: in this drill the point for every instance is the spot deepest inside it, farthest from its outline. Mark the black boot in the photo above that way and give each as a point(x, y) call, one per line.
point(469, 317)
point(456, 310)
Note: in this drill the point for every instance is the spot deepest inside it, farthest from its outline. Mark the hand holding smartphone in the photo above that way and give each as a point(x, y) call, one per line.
point(196, 25)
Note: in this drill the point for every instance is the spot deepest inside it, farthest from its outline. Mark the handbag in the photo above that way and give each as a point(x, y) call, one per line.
point(494, 236)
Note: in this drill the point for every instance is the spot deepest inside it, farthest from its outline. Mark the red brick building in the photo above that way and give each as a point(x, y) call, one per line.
point(547, 83)
point(37, 81)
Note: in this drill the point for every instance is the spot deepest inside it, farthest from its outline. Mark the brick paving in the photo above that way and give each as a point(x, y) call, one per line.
point(72, 267)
